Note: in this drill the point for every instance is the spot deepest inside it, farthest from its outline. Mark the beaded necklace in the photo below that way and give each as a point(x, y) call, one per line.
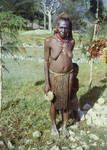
point(61, 40)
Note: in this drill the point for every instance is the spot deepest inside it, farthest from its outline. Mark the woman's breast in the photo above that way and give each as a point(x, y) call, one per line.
point(66, 53)
point(62, 64)
point(65, 58)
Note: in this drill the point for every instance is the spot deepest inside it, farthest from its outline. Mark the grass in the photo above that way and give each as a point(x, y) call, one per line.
point(34, 37)
point(24, 109)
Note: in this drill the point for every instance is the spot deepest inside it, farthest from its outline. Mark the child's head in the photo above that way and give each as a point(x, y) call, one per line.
point(75, 69)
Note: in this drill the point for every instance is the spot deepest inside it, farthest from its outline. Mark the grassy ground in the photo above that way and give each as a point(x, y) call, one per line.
point(24, 109)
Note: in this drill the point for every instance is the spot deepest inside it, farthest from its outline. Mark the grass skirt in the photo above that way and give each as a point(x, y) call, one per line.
point(60, 85)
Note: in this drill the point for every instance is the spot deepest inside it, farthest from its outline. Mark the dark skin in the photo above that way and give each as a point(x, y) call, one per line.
point(58, 58)
point(106, 43)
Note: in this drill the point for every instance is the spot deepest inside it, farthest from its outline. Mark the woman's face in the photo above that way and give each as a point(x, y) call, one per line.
point(64, 29)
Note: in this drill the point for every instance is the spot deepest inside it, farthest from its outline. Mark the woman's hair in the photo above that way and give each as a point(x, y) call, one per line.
point(63, 16)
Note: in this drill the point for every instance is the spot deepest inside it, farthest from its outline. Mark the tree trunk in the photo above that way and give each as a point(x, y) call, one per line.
point(91, 72)
point(32, 25)
point(0, 68)
point(94, 37)
point(91, 62)
point(44, 21)
point(49, 21)
point(44, 17)
point(85, 3)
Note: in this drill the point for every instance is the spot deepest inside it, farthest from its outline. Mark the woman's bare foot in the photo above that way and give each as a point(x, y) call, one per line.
point(54, 131)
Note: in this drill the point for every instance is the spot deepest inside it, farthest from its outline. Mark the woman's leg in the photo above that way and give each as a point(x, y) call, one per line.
point(53, 119)
point(65, 120)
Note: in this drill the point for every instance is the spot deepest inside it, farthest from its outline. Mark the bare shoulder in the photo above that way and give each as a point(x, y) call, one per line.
point(49, 39)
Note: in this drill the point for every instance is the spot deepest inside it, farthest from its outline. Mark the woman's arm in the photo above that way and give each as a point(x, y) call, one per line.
point(46, 65)
point(73, 44)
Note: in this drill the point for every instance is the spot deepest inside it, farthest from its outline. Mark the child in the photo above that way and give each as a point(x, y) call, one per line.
point(74, 98)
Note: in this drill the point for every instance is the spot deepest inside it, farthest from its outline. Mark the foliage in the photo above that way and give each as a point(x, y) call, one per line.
point(96, 47)
point(93, 8)
point(34, 10)
point(51, 5)
point(29, 9)
point(76, 9)
point(10, 24)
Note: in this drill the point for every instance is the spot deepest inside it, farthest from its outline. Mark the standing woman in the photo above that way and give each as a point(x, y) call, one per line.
point(58, 68)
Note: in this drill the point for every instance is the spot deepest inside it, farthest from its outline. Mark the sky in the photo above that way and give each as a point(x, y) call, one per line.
point(105, 2)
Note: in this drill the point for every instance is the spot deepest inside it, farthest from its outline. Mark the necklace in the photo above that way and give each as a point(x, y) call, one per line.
point(61, 40)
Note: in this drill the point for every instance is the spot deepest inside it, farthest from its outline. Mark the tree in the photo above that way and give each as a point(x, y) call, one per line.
point(76, 9)
point(48, 8)
point(10, 24)
point(43, 10)
point(96, 12)
point(94, 5)
point(28, 9)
